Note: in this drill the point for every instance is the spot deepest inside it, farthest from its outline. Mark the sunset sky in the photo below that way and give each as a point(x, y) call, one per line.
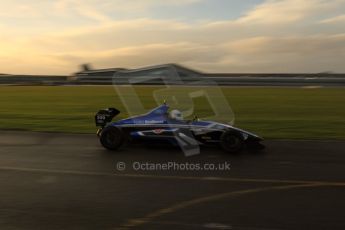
point(55, 37)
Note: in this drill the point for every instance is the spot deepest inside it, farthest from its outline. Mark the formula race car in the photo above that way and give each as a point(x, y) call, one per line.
point(159, 125)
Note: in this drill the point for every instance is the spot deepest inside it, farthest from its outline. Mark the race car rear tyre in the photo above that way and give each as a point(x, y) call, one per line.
point(231, 141)
point(112, 138)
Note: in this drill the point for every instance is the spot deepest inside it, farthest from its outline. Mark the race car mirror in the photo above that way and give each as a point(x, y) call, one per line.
point(195, 118)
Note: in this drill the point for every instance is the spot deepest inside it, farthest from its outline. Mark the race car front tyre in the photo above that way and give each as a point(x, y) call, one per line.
point(231, 141)
point(112, 138)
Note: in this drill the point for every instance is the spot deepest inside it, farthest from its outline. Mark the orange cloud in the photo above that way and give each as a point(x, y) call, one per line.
point(265, 39)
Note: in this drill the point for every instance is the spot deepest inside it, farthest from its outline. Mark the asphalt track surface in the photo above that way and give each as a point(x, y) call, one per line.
point(68, 181)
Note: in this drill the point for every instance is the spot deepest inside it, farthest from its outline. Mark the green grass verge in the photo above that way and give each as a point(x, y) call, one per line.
point(296, 113)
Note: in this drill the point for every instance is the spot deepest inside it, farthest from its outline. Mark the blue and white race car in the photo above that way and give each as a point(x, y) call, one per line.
point(160, 125)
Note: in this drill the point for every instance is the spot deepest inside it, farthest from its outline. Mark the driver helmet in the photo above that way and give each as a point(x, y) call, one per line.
point(176, 114)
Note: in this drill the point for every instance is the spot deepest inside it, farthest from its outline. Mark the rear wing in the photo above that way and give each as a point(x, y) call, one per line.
point(104, 116)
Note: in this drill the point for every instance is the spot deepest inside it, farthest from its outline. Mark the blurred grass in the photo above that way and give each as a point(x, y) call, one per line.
point(296, 113)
